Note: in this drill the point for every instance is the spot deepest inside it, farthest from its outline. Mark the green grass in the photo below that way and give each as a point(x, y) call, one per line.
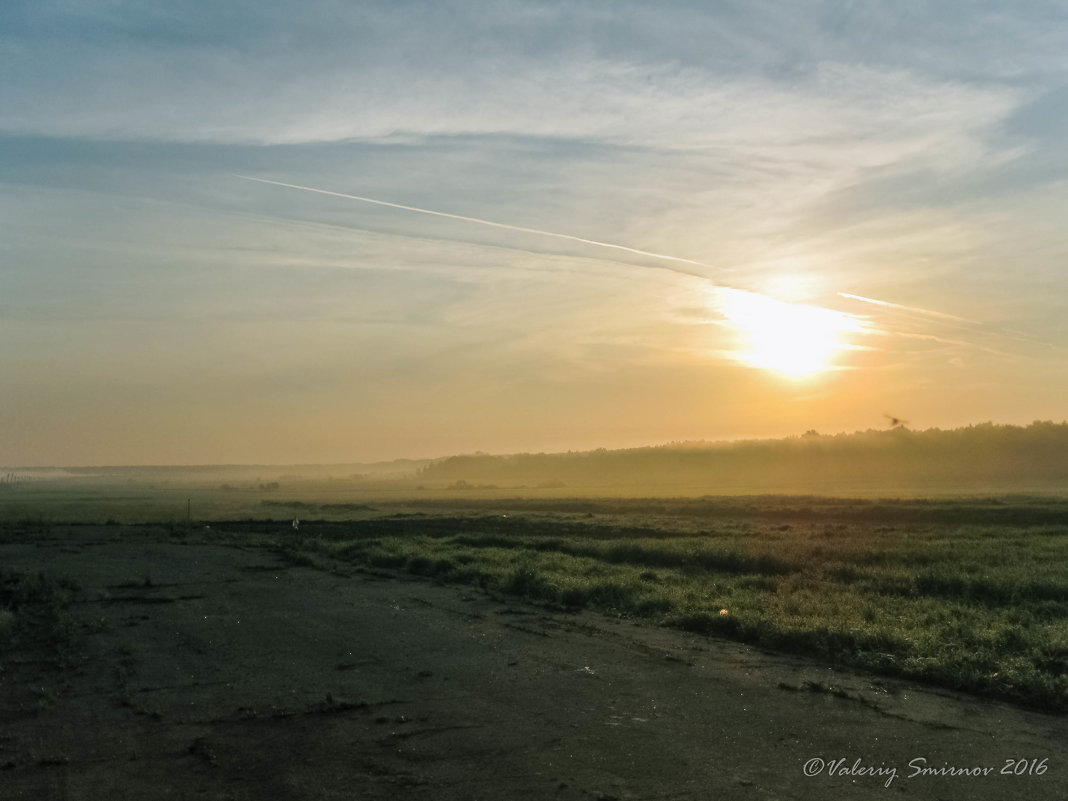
point(982, 608)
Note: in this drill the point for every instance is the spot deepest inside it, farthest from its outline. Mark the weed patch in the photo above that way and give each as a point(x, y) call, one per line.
point(33, 612)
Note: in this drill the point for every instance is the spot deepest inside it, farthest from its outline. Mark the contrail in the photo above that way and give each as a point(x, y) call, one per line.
point(898, 306)
point(506, 226)
point(585, 241)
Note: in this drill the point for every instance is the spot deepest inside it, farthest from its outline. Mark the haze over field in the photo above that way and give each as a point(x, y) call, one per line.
point(284, 233)
point(974, 461)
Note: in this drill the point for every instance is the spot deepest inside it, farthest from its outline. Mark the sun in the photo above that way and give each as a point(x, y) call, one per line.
point(787, 338)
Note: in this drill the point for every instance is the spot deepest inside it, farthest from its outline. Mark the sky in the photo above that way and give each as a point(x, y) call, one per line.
point(712, 221)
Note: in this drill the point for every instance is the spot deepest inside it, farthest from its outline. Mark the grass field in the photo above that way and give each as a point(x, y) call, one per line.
point(966, 595)
point(970, 594)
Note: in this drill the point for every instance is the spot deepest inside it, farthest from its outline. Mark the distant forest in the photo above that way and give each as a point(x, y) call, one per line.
point(978, 458)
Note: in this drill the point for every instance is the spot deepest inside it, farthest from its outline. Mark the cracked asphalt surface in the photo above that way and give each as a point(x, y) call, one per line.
point(204, 671)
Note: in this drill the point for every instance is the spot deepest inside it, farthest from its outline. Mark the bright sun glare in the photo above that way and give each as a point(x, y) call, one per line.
point(788, 338)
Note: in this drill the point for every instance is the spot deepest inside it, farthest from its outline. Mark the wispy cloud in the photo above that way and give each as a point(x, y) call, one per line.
point(527, 210)
point(458, 72)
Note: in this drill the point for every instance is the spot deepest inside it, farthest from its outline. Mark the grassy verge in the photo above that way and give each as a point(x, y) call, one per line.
point(982, 608)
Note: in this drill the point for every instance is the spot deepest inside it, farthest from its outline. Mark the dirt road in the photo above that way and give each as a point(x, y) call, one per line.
point(210, 672)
